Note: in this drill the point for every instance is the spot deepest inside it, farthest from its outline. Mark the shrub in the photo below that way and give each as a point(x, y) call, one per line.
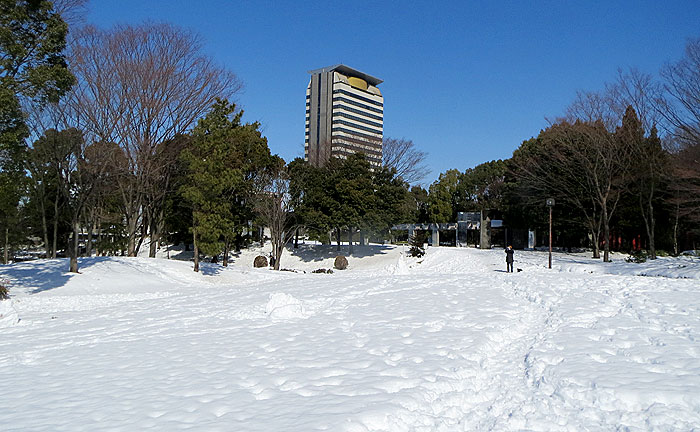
point(260, 261)
point(4, 289)
point(329, 271)
point(638, 257)
point(417, 241)
point(341, 263)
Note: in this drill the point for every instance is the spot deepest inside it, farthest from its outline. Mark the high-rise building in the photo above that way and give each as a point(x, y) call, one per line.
point(344, 115)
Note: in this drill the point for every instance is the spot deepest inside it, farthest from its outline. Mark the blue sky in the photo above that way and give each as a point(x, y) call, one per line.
point(466, 81)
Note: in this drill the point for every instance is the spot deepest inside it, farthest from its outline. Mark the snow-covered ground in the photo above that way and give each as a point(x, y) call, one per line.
point(448, 342)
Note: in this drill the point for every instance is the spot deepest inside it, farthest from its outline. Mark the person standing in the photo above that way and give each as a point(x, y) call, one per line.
point(509, 259)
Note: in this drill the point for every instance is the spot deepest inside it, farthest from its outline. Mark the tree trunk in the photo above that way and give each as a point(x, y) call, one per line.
point(142, 237)
point(651, 229)
point(594, 230)
point(227, 248)
point(74, 248)
point(606, 234)
point(131, 246)
point(55, 228)
point(160, 228)
point(98, 225)
point(45, 228)
point(675, 231)
point(350, 233)
point(88, 246)
point(337, 236)
point(196, 249)
point(278, 248)
point(7, 245)
point(296, 238)
point(647, 210)
point(155, 238)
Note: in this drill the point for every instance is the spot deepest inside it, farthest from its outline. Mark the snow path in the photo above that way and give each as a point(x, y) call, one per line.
point(445, 343)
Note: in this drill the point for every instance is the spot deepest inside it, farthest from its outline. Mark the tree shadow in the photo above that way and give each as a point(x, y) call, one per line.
point(181, 255)
point(316, 252)
point(209, 269)
point(43, 275)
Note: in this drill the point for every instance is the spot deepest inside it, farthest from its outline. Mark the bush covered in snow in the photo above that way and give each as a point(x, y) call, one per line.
point(417, 241)
point(638, 257)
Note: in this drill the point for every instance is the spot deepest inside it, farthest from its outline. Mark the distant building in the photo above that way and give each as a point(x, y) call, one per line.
point(344, 115)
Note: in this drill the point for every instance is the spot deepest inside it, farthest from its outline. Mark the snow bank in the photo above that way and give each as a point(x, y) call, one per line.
point(401, 267)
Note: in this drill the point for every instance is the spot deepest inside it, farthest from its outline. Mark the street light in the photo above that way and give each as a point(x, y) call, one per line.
point(550, 204)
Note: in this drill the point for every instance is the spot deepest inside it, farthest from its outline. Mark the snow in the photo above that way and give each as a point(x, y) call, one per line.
point(446, 342)
point(8, 314)
point(283, 306)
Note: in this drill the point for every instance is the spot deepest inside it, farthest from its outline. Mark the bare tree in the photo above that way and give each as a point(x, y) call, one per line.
point(633, 96)
point(42, 164)
point(638, 90)
point(141, 86)
point(77, 177)
point(582, 164)
point(73, 12)
point(591, 107)
point(274, 205)
point(406, 158)
point(608, 106)
point(680, 105)
point(543, 173)
point(686, 170)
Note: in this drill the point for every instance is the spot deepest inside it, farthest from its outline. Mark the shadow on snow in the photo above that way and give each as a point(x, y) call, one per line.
point(48, 275)
point(309, 253)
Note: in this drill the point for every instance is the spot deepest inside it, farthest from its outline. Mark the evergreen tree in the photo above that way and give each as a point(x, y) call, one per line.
point(443, 197)
point(418, 205)
point(391, 204)
point(347, 194)
point(222, 162)
point(481, 188)
point(310, 189)
point(32, 70)
point(649, 167)
point(352, 192)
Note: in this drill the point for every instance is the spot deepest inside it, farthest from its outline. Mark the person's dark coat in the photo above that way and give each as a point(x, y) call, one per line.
point(509, 255)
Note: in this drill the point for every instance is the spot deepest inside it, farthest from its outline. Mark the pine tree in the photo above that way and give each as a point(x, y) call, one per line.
point(221, 164)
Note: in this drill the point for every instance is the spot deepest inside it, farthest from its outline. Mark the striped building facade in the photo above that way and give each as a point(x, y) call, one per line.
point(344, 115)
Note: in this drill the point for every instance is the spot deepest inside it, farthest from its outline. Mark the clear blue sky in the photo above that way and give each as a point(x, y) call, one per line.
point(466, 81)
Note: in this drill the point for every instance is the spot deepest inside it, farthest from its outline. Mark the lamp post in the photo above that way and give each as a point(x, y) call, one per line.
point(550, 204)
